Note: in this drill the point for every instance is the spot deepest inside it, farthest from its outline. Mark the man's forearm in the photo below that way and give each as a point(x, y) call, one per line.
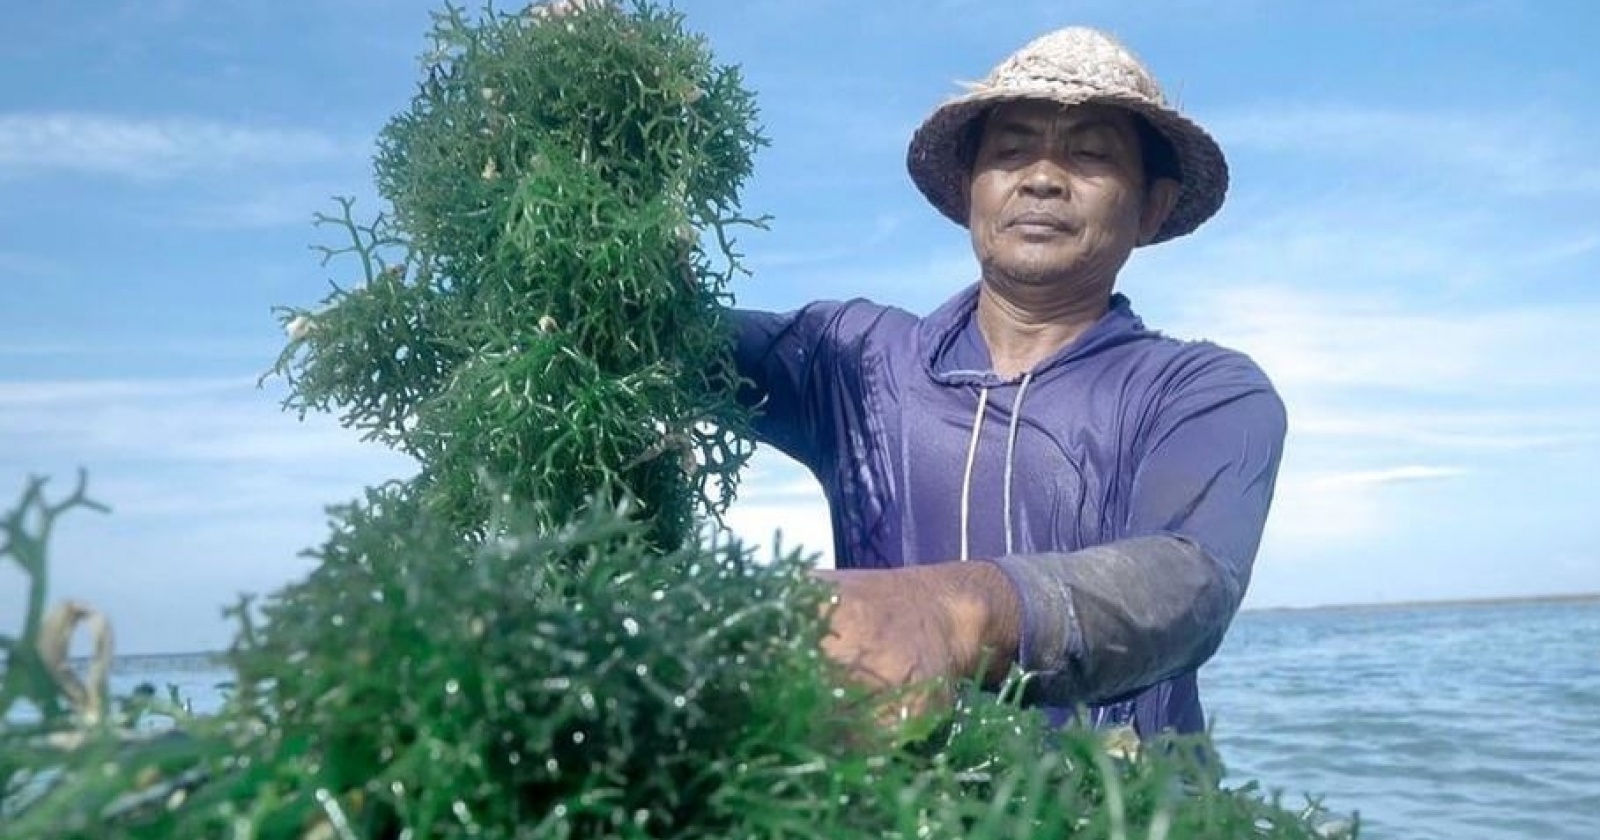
point(1098, 623)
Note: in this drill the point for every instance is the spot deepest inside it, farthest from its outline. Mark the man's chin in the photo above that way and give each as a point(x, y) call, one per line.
point(1037, 272)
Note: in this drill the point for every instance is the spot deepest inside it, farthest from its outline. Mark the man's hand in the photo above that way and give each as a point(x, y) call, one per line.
point(922, 628)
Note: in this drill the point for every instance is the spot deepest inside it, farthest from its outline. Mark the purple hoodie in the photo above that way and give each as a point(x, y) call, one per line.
point(1121, 486)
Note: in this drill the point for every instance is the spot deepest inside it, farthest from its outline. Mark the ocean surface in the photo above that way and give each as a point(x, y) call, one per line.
point(1464, 722)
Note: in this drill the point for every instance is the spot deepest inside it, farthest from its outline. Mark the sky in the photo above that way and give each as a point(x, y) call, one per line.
point(1409, 249)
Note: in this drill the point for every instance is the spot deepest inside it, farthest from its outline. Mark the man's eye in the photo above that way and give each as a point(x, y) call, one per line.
point(1093, 153)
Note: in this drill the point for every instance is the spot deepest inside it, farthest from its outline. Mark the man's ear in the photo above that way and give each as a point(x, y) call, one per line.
point(1159, 199)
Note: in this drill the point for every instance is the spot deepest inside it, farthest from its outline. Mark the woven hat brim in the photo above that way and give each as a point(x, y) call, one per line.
point(936, 168)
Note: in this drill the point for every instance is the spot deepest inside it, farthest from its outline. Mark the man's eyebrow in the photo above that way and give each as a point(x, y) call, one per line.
point(1095, 123)
point(1019, 128)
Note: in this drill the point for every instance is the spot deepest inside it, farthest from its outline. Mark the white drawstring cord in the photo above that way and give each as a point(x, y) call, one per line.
point(1011, 451)
point(966, 478)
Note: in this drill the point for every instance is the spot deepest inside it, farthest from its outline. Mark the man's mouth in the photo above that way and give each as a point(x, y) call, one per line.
point(1039, 222)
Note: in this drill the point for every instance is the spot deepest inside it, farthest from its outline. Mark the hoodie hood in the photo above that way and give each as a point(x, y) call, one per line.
point(953, 351)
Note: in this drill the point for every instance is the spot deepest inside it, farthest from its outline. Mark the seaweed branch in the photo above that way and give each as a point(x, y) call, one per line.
point(25, 533)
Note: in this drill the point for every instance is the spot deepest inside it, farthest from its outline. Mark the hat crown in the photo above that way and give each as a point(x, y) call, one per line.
point(1077, 58)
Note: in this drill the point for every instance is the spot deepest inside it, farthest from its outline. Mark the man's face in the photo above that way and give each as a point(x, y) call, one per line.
point(1057, 195)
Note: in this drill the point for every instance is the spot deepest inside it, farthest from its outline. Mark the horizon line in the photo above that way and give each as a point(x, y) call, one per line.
point(1487, 601)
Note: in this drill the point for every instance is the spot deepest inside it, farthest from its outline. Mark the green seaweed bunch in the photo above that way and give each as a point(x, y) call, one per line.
point(541, 310)
point(416, 684)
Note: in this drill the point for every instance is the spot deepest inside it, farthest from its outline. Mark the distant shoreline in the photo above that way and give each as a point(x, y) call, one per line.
point(1531, 600)
point(1374, 606)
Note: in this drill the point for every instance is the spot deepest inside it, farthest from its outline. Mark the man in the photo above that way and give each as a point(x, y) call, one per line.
point(1029, 475)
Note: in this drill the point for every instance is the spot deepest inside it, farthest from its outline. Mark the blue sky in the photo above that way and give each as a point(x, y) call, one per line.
point(1410, 250)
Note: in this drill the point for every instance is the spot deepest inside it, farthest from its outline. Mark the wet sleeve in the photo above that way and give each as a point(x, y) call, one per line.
point(795, 366)
point(1111, 619)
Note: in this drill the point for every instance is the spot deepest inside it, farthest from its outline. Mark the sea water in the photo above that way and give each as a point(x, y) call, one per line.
point(1466, 722)
point(1470, 722)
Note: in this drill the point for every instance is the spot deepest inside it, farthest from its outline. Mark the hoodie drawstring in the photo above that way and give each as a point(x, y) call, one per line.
point(1011, 451)
point(972, 457)
point(966, 477)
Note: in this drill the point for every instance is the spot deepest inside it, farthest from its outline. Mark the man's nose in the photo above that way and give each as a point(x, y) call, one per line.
point(1045, 179)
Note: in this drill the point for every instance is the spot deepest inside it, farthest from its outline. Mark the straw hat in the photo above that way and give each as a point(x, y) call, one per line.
point(1074, 66)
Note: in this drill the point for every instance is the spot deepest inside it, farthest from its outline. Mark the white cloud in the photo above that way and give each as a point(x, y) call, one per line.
point(883, 229)
point(222, 421)
point(244, 350)
point(802, 525)
point(1389, 475)
point(1439, 428)
point(918, 278)
point(274, 207)
point(1347, 338)
point(1319, 510)
point(102, 144)
point(213, 490)
point(1374, 290)
point(1400, 246)
point(45, 348)
point(162, 447)
point(780, 506)
point(1527, 151)
point(77, 393)
point(1581, 245)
